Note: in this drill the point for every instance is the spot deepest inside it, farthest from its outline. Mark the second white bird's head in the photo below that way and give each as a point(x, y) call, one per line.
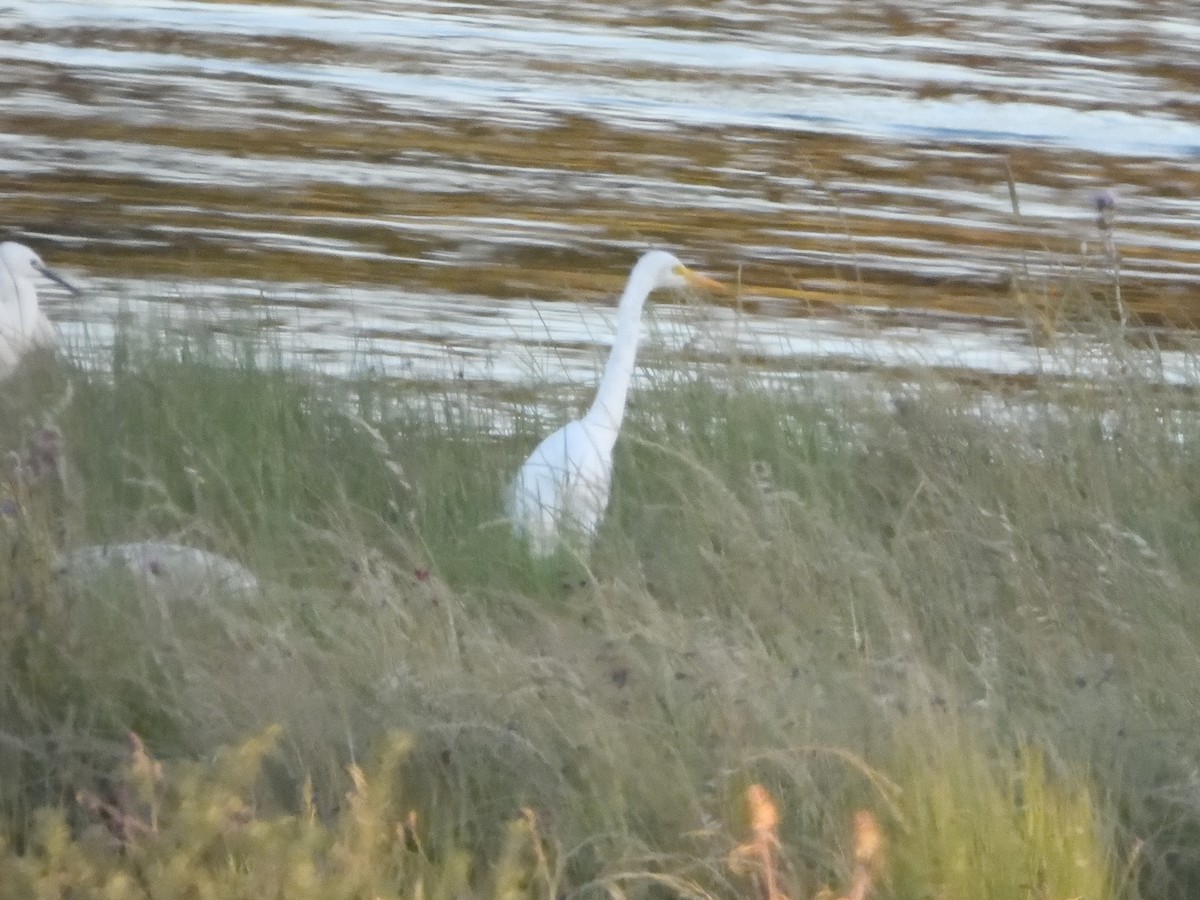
point(23, 264)
point(666, 271)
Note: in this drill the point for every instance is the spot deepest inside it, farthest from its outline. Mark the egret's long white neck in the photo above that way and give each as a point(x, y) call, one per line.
point(28, 309)
point(11, 303)
point(608, 409)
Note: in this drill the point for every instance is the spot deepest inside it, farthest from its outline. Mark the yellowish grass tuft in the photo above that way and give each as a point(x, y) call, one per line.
point(207, 830)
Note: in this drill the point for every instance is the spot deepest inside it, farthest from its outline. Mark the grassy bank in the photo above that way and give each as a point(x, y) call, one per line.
point(980, 632)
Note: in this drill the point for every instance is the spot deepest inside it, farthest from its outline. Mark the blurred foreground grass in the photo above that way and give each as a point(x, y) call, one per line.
point(973, 623)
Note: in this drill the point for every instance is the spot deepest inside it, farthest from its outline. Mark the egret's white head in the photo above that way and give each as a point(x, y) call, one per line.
point(664, 270)
point(23, 264)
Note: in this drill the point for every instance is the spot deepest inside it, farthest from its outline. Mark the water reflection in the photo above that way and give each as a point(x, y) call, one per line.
point(496, 345)
point(443, 181)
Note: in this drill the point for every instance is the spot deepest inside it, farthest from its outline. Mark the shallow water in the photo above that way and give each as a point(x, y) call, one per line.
point(457, 190)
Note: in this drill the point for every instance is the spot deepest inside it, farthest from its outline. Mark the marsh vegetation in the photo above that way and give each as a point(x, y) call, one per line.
point(973, 615)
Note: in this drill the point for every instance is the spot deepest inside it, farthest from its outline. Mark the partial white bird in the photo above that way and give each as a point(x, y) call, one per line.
point(23, 325)
point(562, 490)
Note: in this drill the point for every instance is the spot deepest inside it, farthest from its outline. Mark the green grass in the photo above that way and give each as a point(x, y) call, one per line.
point(985, 631)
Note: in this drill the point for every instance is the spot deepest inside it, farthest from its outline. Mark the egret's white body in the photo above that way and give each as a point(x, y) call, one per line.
point(562, 490)
point(23, 325)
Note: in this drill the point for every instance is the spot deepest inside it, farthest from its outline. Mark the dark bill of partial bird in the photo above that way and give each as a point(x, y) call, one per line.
point(54, 276)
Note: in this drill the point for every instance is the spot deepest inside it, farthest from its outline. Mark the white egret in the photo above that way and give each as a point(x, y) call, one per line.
point(23, 325)
point(562, 490)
